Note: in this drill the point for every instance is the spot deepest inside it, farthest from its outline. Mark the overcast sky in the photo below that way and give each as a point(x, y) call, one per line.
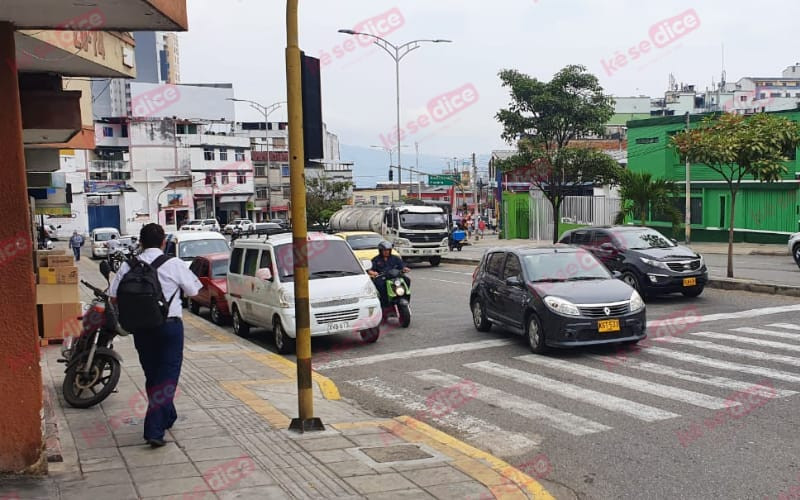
point(243, 41)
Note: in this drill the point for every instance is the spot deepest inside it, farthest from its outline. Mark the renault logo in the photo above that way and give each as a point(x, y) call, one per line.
point(607, 310)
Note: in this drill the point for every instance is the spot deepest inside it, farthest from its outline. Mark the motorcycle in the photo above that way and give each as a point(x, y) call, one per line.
point(93, 367)
point(399, 294)
point(457, 239)
point(124, 252)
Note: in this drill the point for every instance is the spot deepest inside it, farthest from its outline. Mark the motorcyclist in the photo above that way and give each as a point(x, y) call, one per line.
point(383, 262)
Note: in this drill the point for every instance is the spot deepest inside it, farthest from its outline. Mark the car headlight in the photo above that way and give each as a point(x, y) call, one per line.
point(402, 242)
point(654, 263)
point(702, 261)
point(286, 298)
point(637, 303)
point(561, 306)
point(444, 242)
point(369, 291)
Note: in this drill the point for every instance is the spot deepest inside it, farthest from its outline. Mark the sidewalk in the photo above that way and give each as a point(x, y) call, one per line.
point(235, 401)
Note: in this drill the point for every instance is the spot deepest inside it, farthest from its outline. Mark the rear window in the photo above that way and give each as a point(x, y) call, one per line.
point(102, 236)
point(191, 249)
point(219, 268)
point(494, 264)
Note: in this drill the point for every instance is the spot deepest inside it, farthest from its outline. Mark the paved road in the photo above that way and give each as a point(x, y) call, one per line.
point(594, 423)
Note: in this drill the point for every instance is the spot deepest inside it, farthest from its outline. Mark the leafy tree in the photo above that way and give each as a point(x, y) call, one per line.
point(639, 192)
point(542, 119)
point(324, 197)
point(736, 148)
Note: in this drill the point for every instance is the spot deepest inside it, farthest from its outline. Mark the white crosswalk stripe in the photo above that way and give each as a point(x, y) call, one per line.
point(561, 420)
point(747, 340)
point(724, 365)
point(767, 333)
point(688, 375)
point(747, 353)
point(606, 401)
point(786, 326)
point(489, 436)
point(664, 391)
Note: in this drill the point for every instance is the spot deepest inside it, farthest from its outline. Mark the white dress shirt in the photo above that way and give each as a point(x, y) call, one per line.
point(172, 274)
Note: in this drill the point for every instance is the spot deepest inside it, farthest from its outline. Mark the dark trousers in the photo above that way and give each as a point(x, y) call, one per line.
point(161, 356)
point(77, 252)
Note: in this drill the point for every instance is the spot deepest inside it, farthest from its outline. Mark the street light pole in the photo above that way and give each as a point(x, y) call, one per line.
point(688, 219)
point(394, 52)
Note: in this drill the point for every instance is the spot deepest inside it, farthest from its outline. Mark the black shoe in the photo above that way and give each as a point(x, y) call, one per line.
point(156, 443)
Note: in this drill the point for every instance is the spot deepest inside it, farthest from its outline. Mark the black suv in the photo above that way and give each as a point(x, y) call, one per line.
point(556, 296)
point(648, 260)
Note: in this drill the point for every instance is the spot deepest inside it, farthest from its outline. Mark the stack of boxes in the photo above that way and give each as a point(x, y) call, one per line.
point(57, 298)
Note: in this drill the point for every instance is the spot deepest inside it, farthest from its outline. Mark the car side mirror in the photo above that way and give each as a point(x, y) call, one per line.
point(366, 264)
point(513, 281)
point(616, 274)
point(608, 247)
point(105, 269)
point(264, 274)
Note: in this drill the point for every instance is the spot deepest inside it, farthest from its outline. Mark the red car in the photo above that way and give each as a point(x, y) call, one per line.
point(212, 271)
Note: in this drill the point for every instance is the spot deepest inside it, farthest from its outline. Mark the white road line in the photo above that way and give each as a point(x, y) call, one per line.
point(443, 281)
point(786, 326)
point(750, 313)
point(451, 272)
point(664, 391)
point(767, 333)
point(415, 353)
point(603, 400)
point(747, 340)
point(488, 436)
point(724, 365)
point(681, 374)
point(561, 420)
point(747, 353)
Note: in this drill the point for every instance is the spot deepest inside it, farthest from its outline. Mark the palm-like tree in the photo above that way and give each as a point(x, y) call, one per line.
point(640, 192)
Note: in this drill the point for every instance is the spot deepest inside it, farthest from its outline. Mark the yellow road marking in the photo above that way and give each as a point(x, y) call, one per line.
point(289, 369)
point(262, 407)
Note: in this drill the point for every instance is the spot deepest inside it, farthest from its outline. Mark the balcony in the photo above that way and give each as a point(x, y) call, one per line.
point(108, 166)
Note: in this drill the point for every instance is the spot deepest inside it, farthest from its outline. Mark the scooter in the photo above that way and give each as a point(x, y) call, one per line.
point(457, 239)
point(399, 294)
point(93, 367)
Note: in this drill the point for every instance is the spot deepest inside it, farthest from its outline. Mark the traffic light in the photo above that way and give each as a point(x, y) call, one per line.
point(391, 174)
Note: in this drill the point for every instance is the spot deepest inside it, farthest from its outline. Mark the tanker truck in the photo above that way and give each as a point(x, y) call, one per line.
point(417, 232)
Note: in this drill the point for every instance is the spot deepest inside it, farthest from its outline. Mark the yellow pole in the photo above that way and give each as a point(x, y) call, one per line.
point(294, 87)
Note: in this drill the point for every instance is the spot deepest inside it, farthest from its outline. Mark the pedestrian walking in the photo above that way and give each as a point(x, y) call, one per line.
point(160, 347)
point(75, 243)
point(481, 227)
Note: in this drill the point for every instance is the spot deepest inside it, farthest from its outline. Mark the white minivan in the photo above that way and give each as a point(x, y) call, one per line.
point(186, 245)
point(261, 289)
point(100, 237)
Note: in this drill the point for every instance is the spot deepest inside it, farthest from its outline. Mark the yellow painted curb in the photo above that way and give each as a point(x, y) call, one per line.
point(289, 369)
point(270, 413)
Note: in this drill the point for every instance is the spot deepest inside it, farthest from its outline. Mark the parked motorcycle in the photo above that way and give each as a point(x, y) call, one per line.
point(399, 294)
point(122, 253)
point(457, 239)
point(93, 367)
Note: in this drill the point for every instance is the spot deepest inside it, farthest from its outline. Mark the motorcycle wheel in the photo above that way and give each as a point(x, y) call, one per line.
point(80, 390)
point(404, 311)
point(116, 263)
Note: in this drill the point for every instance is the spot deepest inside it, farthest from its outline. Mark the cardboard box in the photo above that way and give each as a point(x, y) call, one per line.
point(58, 321)
point(60, 261)
point(57, 294)
point(41, 256)
point(47, 276)
point(67, 275)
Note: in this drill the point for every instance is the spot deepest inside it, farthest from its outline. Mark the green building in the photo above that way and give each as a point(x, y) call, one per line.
point(765, 212)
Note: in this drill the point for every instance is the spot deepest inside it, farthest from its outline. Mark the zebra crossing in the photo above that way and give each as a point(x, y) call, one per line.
point(553, 392)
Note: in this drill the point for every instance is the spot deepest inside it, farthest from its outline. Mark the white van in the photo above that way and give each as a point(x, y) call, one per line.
point(186, 245)
point(99, 238)
point(261, 289)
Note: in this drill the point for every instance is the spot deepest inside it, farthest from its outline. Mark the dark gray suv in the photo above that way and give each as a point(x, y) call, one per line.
point(648, 260)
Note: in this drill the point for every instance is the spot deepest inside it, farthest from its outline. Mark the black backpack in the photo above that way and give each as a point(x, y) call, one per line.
point(140, 301)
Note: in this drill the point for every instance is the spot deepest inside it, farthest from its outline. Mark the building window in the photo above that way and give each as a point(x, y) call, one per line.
point(241, 178)
point(743, 98)
point(262, 193)
point(373, 200)
point(239, 154)
point(775, 94)
point(210, 178)
point(224, 178)
point(261, 171)
point(108, 132)
point(186, 129)
point(223, 155)
point(282, 126)
point(647, 140)
point(287, 192)
point(124, 130)
point(208, 154)
point(285, 170)
point(120, 176)
point(279, 142)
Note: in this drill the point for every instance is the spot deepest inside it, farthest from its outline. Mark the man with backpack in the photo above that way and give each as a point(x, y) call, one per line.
point(147, 293)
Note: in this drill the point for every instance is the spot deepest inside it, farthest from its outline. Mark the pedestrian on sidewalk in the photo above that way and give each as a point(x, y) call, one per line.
point(161, 350)
point(75, 243)
point(481, 227)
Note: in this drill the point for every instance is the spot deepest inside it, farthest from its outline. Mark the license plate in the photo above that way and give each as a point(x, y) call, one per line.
point(689, 281)
point(338, 327)
point(608, 325)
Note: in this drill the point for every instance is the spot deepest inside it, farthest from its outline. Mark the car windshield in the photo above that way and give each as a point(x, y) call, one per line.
point(410, 220)
point(364, 242)
point(219, 268)
point(564, 266)
point(327, 259)
point(102, 236)
point(192, 223)
point(191, 249)
point(642, 240)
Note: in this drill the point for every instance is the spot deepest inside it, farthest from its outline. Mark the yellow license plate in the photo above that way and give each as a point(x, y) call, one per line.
point(608, 325)
point(689, 281)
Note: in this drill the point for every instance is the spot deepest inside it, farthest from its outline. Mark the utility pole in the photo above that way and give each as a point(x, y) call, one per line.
point(305, 394)
point(419, 174)
point(688, 220)
point(475, 184)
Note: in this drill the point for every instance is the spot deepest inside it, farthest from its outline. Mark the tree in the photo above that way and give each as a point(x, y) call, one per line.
point(736, 148)
point(324, 197)
point(639, 192)
point(543, 118)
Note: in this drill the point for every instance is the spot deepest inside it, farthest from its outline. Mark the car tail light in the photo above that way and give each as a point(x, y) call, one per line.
point(475, 273)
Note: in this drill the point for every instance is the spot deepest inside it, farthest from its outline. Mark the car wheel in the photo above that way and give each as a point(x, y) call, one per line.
point(535, 334)
point(240, 328)
point(796, 254)
point(371, 335)
point(435, 261)
point(693, 292)
point(194, 306)
point(283, 343)
point(479, 319)
point(631, 279)
point(216, 315)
